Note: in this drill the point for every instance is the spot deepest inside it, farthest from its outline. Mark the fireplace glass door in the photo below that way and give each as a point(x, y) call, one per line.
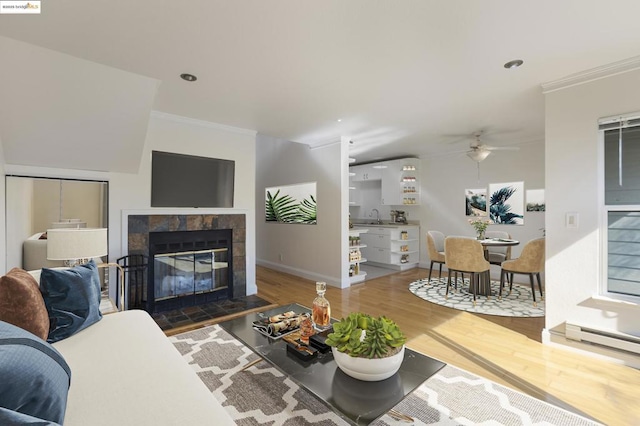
point(190, 272)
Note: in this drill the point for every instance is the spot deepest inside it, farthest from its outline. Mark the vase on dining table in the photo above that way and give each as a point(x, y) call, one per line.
point(480, 235)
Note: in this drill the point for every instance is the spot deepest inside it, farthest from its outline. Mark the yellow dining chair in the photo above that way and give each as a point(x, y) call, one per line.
point(530, 262)
point(467, 255)
point(435, 249)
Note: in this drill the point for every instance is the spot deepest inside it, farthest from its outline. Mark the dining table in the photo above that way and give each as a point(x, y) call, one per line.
point(496, 242)
point(484, 288)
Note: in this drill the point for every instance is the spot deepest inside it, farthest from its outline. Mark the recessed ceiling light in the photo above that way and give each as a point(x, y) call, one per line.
point(514, 64)
point(188, 77)
point(339, 120)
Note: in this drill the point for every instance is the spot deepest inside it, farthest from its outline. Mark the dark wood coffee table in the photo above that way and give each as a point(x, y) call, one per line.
point(356, 401)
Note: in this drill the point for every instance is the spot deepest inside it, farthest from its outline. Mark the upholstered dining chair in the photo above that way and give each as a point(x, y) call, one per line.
point(466, 255)
point(435, 249)
point(497, 255)
point(530, 262)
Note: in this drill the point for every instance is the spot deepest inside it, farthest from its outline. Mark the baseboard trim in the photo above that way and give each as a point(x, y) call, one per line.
point(313, 276)
point(556, 337)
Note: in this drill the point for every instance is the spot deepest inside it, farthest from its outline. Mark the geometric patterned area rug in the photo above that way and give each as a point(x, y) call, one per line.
point(517, 304)
point(262, 395)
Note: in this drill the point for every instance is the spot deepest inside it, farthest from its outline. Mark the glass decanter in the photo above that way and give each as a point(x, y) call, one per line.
point(321, 310)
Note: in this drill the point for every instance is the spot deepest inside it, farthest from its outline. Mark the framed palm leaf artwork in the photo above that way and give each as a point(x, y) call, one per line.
point(506, 203)
point(291, 203)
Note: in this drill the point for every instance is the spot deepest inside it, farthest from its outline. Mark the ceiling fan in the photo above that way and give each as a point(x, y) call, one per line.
point(479, 151)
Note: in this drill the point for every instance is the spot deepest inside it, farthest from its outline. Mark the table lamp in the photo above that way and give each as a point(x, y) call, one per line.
point(77, 246)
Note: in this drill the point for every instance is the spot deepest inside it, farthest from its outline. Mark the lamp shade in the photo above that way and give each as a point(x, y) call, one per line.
point(76, 243)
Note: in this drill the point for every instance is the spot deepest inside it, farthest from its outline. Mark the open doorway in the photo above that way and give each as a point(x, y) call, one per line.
point(35, 204)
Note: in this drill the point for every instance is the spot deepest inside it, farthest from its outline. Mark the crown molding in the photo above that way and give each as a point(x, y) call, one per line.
point(322, 144)
point(593, 74)
point(202, 123)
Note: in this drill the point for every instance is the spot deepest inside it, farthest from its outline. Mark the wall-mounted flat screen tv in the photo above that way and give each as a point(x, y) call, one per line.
point(179, 180)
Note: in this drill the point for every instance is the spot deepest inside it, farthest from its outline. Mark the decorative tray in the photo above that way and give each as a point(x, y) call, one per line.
point(278, 326)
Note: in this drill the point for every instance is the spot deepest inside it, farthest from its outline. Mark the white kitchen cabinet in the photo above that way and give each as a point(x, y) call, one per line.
point(355, 194)
point(391, 184)
point(378, 245)
point(365, 172)
point(396, 247)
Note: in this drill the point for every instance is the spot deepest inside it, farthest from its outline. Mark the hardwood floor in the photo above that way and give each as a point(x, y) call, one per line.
point(505, 350)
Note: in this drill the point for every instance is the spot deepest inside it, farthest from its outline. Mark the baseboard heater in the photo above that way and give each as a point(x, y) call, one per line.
point(606, 338)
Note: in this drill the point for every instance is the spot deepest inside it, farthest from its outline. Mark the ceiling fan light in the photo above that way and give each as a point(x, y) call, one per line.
point(478, 154)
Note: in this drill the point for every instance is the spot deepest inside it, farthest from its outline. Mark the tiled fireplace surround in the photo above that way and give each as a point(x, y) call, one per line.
point(139, 227)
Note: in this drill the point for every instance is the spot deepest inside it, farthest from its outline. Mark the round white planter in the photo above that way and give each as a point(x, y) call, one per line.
point(370, 370)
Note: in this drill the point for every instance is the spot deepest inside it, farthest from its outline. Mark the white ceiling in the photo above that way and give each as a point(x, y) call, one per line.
point(404, 76)
point(64, 112)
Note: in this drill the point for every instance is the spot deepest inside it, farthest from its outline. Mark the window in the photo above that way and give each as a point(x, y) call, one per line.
point(621, 138)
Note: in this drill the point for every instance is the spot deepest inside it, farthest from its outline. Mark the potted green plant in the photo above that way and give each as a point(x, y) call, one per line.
point(480, 225)
point(366, 347)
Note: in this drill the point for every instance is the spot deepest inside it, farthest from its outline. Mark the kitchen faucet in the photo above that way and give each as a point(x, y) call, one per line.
point(377, 216)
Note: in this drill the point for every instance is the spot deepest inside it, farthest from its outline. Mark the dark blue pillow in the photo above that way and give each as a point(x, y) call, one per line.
point(14, 418)
point(35, 377)
point(72, 298)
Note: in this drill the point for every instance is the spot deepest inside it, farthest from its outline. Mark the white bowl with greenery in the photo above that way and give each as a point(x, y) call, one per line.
point(367, 348)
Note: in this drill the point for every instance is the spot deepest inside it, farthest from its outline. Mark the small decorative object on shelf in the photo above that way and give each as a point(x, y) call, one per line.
point(404, 258)
point(355, 255)
point(404, 235)
point(321, 308)
point(480, 225)
point(306, 330)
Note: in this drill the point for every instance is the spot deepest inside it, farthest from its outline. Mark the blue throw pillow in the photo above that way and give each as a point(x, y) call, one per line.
point(35, 377)
point(14, 418)
point(72, 297)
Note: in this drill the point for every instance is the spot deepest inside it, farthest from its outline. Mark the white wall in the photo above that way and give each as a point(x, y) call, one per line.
point(19, 216)
point(310, 251)
point(443, 180)
point(181, 135)
point(572, 173)
point(3, 217)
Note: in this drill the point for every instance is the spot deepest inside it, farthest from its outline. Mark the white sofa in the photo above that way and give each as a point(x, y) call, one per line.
point(125, 371)
point(34, 254)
